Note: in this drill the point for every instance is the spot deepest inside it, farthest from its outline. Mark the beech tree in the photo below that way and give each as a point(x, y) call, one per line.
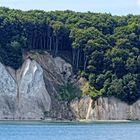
point(105, 49)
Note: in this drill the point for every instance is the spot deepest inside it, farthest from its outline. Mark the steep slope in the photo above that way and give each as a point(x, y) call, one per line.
point(23, 92)
point(32, 92)
point(57, 72)
point(105, 109)
point(8, 90)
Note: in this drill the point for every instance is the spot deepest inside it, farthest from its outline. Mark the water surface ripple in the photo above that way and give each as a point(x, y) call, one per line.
point(66, 131)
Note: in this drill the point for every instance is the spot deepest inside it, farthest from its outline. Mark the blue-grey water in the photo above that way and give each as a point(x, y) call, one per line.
point(66, 131)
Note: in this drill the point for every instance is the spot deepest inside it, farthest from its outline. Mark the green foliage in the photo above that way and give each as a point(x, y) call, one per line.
point(68, 92)
point(88, 89)
point(105, 48)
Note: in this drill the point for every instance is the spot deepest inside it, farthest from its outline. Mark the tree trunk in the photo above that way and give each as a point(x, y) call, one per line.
point(34, 40)
point(78, 54)
point(54, 44)
point(85, 62)
point(56, 48)
point(44, 41)
point(50, 43)
point(73, 56)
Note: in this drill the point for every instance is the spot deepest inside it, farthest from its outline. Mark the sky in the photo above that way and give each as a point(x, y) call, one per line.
point(115, 7)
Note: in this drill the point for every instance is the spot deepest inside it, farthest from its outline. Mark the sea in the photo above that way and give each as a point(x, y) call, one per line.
point(12, 130)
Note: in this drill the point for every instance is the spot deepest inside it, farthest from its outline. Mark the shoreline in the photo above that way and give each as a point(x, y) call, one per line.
point(43, 122)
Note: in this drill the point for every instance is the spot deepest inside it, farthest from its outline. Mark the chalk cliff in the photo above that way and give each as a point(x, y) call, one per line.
point(31, 92)
point(23, 93)
point(105, 109)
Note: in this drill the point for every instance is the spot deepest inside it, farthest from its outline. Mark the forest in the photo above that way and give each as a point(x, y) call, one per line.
point(104, 49)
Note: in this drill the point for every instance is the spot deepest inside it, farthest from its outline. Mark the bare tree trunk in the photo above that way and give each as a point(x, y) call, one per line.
point(78, 54)
point(85, 62)
point(34, 40)
point(56, 48)
point(41, 43)
point(73, 56)
point(50, 43)
point(48, 39)
point(54, 43)
point(61, 46)
point(44, 41)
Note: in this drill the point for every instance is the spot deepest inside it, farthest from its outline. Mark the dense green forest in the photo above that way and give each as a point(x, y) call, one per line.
point(105, 49)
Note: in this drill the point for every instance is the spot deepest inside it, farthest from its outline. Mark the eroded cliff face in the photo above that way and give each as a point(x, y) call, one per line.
point(56, 72)
point(22, 93)
point(105, 109)
point(8, 90)
point(31, 92)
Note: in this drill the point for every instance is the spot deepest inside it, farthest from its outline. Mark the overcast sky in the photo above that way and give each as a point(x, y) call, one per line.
point(115, 7)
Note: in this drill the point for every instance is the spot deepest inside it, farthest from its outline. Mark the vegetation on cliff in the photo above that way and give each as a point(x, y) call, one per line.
point(104, 48)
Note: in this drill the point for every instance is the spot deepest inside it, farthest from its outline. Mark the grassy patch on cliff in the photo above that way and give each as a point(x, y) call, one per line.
point(68, 92)
point(87, 89)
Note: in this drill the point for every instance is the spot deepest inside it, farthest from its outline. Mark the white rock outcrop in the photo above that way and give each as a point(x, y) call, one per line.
point(22, 93)
point(8, 90)
point(34, 99)
point(57, 72)
point(105, 109)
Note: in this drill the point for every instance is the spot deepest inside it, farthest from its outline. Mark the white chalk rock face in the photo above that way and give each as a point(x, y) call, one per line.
point(34, 99)
point(8, 93)
point(105, 109)
point(110, 109)
point(22, 93)
point(135, 111)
